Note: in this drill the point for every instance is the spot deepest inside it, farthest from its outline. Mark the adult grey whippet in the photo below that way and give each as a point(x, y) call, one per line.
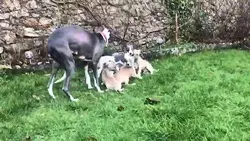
point(88, 46)
point(119, 57)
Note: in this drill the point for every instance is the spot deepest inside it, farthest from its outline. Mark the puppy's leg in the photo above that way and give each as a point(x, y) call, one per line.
point(127, 83)
point(88, 82)
point(70, 69)
point(119, 88)
point(55, 68)
point(150, 68)
point(139, 73)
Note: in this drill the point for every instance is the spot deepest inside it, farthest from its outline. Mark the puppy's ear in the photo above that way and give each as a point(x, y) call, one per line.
point(139, 51)
point(105, 65)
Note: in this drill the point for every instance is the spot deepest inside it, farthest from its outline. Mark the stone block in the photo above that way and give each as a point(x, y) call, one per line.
point(9, 37)
point(4, 16)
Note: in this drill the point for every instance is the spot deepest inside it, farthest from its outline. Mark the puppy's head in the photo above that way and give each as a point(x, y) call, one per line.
point(137, 52)
point(129, 59)
point(130, 49)
point(110, 65)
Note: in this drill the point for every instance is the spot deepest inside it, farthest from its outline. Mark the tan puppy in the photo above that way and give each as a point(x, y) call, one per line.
point(141, 64)
point(108, 77)
point(124, 74)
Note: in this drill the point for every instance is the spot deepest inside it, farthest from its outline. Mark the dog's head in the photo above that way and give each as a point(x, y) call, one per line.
point(137, 53)
point(110, 65)
point(129, 59)
point(130, 49)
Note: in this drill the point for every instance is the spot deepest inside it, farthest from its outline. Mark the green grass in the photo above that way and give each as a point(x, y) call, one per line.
point(204, 96)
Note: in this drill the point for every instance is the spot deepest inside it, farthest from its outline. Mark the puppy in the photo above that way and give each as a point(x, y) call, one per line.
point(124, 74)
point(141, 64)
point(102, 61)
point(108, 77)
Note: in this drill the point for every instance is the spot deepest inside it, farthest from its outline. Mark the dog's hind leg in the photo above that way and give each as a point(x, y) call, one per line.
point(150, 68)
point(70, 70)
point(88, 82)
point(55, 68)
point(62, 78)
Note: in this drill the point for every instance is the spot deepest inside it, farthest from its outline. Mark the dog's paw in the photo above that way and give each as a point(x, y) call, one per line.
point(74, 99)
point(101, 91)
point(139, 77)
point(90, 87)
point(121, 91)
point(133, 84)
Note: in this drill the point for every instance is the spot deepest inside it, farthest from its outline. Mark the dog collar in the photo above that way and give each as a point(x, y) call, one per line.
point(105, 38)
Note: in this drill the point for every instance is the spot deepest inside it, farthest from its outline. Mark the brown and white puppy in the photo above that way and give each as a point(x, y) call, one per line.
point(141, 64)
point(108, 77)
point(124, 74)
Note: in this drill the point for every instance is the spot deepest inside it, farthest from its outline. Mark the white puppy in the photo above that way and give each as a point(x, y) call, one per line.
point(102, 61)
point(141, 64)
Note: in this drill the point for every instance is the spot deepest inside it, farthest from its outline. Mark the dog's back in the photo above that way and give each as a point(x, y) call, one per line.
point(75, 38)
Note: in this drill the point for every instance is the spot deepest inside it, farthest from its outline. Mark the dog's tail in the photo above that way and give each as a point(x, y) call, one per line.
point(62, 78)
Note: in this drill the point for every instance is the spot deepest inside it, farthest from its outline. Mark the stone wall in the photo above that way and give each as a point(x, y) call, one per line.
point(26, 24)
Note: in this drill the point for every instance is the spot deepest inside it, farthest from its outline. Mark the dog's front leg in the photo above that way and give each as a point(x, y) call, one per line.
point(139, 73)
point(88, 82)
point(96, 79)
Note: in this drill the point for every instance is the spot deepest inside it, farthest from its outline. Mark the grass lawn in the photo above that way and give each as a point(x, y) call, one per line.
point(204, 96)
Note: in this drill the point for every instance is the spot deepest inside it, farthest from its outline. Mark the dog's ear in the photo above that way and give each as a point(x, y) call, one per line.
point(106, 32)
point(139, 51)
point(103, 27)
point(98, 29)
point(105, 65)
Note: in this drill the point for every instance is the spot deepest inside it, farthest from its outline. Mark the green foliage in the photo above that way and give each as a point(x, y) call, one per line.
point(184, 9)
point(203, 96)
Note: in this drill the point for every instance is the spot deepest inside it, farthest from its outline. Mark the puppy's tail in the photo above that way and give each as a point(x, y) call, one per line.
point(62, 78)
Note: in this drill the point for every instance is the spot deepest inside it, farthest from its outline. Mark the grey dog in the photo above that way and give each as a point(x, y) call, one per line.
point(87, 46)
